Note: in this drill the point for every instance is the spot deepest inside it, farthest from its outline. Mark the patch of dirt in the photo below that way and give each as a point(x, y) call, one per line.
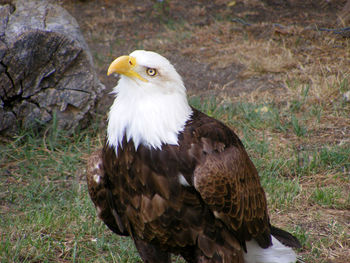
point(116, 27)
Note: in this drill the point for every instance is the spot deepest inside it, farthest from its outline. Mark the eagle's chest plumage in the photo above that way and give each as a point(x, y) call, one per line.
point(151, 195)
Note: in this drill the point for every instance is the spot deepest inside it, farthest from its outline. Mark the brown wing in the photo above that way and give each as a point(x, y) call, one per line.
point(100, 195)
point(228, 182)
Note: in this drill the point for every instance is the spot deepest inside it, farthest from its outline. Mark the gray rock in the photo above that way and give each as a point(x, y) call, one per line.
point(46, 68)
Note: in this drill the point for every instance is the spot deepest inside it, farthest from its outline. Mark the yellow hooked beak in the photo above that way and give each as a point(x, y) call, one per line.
point(124, 65)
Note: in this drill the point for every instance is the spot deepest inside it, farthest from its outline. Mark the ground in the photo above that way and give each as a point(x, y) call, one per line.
point(210, 39)
point(272, 70)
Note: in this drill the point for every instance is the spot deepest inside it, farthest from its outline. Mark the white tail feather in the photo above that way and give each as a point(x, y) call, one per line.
point(277, 253)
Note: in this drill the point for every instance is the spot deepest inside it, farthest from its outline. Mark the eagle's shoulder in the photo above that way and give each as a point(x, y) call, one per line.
point(227, 179)
point(203, 126)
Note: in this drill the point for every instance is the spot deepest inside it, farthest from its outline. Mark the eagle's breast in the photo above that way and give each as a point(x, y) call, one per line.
point(151, 192)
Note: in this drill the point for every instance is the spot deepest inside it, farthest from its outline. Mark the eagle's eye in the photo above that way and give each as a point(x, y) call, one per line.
point(151, 72)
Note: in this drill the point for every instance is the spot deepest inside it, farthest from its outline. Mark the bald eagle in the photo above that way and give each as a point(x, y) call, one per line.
point(176, 180)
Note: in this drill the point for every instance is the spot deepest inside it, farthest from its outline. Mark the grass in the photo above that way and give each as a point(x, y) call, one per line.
point(47, 215)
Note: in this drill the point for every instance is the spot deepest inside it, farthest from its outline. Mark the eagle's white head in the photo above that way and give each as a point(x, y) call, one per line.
point(151, 106)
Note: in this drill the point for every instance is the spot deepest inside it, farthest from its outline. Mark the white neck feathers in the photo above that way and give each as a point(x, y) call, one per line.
point(147, 115)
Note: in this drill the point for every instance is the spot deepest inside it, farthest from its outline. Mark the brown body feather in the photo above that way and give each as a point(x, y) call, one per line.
point(139, 193)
